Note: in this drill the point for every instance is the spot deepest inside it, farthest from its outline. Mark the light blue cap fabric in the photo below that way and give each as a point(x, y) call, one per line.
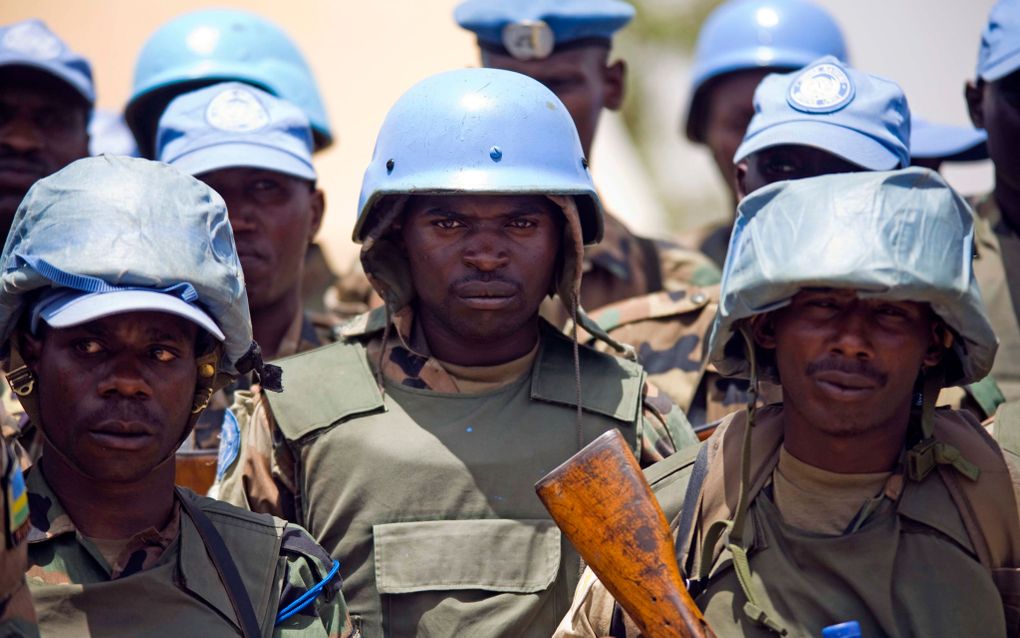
point(233, 125)
point(109, 134)
point(30, 43)
point(946, 142)
point(901, 235)
point(827, 105)
point(113, 225)
point(999, 54)
point(530, 29)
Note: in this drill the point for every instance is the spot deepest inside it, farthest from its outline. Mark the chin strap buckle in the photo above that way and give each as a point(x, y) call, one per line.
point(21, 380)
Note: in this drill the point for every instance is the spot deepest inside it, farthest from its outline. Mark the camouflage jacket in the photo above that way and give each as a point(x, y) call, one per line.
point(17, 618)
point(263, 477)
point(625, 265)
point(997, 269)
point(669, 332)
point(713, 241)
point(164, 583)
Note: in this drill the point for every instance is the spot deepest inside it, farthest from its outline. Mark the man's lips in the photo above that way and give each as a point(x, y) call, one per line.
point(845, 385)
point(486, 295)
point(123, 435)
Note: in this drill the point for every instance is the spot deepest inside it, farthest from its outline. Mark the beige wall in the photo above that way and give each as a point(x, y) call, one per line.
point(364, 54)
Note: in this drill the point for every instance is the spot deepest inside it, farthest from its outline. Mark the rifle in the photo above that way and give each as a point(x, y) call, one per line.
point(602, 503)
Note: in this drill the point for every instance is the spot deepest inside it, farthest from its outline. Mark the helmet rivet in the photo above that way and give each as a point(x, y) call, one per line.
point(389, 165)
point(495, 153)
point(584, 163)
point(206, 370)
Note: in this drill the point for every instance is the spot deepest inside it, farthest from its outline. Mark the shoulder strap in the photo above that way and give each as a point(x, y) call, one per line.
point(690, 506)
point(225, 567)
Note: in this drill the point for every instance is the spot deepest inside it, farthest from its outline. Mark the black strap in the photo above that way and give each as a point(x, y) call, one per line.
point(225, 567)
point(690, 506)
point(653, 269)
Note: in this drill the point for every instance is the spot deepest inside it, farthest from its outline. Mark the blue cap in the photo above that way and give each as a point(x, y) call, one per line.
point(532, 29)
point(109, 134)
point(827, 105)
point(30, 43)
point(233, 125)
point(946, 142)
point(1000, 42)
point(851, 629)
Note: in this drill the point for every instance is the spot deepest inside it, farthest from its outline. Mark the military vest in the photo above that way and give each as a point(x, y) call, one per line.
point(428, 499)
point(182, 596)
point(939, 559)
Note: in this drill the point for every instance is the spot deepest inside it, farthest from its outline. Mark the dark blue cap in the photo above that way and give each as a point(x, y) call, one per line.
point(532, 29)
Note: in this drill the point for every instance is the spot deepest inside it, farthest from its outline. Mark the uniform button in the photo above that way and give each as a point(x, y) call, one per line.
point(699, 298)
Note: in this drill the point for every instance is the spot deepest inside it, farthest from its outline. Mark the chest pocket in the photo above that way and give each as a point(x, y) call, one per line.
point(491, 577)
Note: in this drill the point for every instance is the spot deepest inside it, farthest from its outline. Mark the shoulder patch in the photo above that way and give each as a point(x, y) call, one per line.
point(230, 444)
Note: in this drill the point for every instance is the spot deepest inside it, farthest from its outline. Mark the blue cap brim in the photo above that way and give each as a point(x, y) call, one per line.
point(1001, 68)
point(839, 141)
point(68, 310)
point(243, 155)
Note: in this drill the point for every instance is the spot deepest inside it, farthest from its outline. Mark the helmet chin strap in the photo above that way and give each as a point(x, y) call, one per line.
point(23, 382)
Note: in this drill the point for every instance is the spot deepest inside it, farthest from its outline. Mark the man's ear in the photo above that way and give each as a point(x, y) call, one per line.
point(739, 177)
point(29, 347)
point(763, 329)
point(940, 339)
point(974, 93)
point(317, 203)
point(615, 78)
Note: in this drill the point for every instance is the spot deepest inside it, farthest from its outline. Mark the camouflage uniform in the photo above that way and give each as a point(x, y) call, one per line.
point(625, 265)
point(669, 331)
point(712, 241)
point(17, 617)
point(69, 576)
point(997, 268)
point(274, 473)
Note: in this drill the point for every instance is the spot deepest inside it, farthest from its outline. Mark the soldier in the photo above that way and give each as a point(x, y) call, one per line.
point(210, 46)
point(740, 43)
point(17, 616)
point(46, 98)
point(411, 448)
point(994, 103)
point(123, 308)
point(861, 501)
point(566, 45)
point(823, 119)
point(255, 151)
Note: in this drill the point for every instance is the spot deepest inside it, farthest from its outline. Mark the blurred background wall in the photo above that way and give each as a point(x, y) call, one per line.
point(365, 54)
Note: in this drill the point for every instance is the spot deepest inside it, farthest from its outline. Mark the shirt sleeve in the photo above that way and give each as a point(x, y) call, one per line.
point(664, 427)
point(311, 596)
point(591, 612)
point(260, 475)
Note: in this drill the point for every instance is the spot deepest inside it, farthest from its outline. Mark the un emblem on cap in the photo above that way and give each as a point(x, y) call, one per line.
point(31, 39)
point(237, 111)
point(529, 39)
point(823, 88)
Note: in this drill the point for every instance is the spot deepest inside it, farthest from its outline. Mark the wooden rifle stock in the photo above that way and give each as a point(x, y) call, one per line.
point(602, 503)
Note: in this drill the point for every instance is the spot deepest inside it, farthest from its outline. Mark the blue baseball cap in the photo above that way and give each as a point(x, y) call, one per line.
point(233, 125)
point(533, 29)
point(929, 140)
point(999, 54)
point(827, 105)
point(30, 43)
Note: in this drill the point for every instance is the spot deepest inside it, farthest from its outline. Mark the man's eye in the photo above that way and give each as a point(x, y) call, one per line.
point(88, 346)
point(781, 168)
point(447, 224)
point(163, 355)
point(523, 222)
point(892, 311)
point(825, 304)
point(264, 185)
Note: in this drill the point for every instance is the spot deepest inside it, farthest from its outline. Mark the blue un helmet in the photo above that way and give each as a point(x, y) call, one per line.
point(758, 34)
point(474, 132)
point(217, 45)
point(902, 235)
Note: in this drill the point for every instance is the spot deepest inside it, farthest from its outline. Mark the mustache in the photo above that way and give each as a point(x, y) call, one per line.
point(862, 368)
point(30, 159)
